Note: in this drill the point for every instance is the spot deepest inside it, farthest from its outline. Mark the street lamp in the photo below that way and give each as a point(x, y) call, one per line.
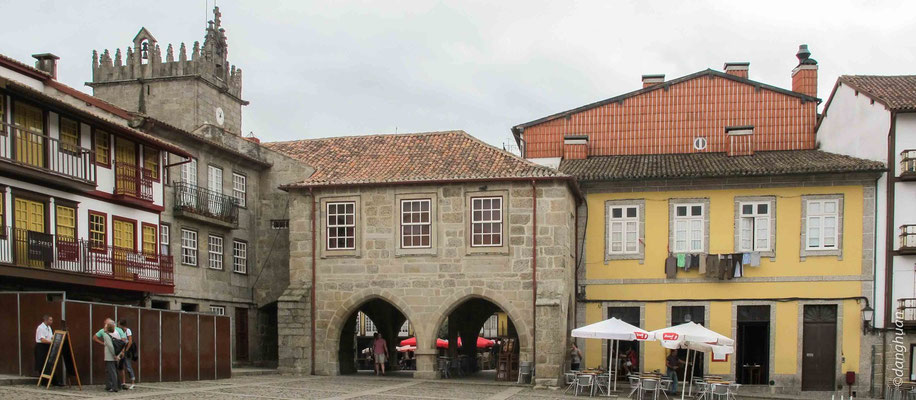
point(868, 315)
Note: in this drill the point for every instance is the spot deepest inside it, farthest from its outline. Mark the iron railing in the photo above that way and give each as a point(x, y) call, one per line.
point(908, 163)
point(197, 200)
point(35, 150)
point(908, 237)
point(133, 181)
point(43, 251)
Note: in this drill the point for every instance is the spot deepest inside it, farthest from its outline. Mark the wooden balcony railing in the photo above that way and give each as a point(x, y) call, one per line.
point(29, 249)
point(197, 200)
point(906, 308)
point(38, 151)
point(133, 181)
point(907, 239)
point(908, 165)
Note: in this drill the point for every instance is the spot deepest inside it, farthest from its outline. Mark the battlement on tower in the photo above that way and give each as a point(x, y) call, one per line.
point(144, 61)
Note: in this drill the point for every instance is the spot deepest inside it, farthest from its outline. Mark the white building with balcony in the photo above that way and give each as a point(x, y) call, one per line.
point(874, 117)
point(80, 191)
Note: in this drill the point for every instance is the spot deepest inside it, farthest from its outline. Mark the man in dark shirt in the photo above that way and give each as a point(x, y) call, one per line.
point(673, 363)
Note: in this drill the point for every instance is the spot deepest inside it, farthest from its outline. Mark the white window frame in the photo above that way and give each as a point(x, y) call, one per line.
point(189, 172)
point(336, 225)
point(821, 228)
point(752, 223)
point(239, 188)
point(218, 310)
point(428, 223)
point(215, 252)
point(278, 224)
point(165, 239)
point(189, 247)
point(215, 179)
point(498, 222)
point(370, 326)
point(691, 223)
point(240, 257)
point(623, 225)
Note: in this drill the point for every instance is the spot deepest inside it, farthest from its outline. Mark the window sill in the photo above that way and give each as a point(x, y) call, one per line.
point(641, 257)
point(821, 253)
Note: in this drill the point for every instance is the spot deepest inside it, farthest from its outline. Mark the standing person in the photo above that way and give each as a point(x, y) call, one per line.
point(128, 338)
point(575, 357)
point(380, 350)
point(117, 334)
point(43, 336)
point(112, 357)
point(673, 363)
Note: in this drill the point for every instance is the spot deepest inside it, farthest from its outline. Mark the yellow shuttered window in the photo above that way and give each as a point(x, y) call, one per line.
point(66, 222)
point(98, 231)
point(102, 148)
point(149, 239)
point(151, 161)
point(69, 135)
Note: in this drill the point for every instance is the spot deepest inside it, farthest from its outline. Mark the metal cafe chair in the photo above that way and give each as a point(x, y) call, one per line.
point(634, 384)
point(585, 381)
point(570, 379)
point(649, 386)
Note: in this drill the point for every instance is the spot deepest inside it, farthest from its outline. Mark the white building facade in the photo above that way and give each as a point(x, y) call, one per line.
point(874, 117)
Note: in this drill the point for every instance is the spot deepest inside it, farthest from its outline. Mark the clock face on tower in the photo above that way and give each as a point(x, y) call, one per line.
point(220, 116)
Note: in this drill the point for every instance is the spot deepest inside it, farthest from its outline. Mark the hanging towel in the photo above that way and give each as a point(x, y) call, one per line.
point(681, 260)
point(746, 258)
point(734, 271)
point(695, 260)
point(755, 259)
point(688, 262)
point(671, 267)
point(739, 269)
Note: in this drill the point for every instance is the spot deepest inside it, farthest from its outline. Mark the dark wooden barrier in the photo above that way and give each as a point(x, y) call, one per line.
point(173, 345)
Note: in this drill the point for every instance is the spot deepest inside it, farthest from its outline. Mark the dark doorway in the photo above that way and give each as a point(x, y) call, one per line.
point(753, 345)
point(819, 348)
point(241, 334)
point(188, 307)
point(695, 314)
point(355, 352)
point(266, 335)
point(498, 361)
point(629, 315)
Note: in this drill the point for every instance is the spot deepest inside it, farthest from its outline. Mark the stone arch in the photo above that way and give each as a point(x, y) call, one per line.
point(452, 302)
point(356, 300)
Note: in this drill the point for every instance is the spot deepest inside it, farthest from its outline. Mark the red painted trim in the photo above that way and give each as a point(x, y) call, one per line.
point(155, 239)
point(126, 201)
point(89, 226)
point(24, 69)
point(128, 220)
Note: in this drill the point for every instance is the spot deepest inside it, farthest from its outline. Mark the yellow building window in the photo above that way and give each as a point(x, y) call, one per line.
point(102, 148)
point(69, 135)
point(66, 222)
point(149, 239)
point(151, 161)
point(98, 230)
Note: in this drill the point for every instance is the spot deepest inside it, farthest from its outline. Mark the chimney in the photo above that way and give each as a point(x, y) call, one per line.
point(804, 76)
point(575, 147)
point(652, 80)
point(47, 62)
point(738, 69)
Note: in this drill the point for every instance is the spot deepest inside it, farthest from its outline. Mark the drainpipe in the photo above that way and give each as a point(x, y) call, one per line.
point(889, 240)
point(314, 267)
point(534, 274)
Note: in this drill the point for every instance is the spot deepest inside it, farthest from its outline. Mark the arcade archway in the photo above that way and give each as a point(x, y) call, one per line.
point(355, 352)
point(475, 338)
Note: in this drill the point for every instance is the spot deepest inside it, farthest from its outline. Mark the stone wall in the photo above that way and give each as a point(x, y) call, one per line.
point(427, 286)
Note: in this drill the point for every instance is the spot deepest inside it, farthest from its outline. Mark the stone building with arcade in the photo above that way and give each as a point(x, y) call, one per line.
point(436, 228)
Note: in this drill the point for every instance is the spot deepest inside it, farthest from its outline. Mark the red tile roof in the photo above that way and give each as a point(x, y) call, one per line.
point(407, 158)
point(896, 92)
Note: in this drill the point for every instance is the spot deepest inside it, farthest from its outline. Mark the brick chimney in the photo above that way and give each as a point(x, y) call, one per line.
point(804, 76)
point(575, 147)
point(47, 62)
point(652, 80)
point(739, 69)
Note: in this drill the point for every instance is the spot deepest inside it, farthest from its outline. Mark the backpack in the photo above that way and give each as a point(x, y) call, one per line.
point(117, 343)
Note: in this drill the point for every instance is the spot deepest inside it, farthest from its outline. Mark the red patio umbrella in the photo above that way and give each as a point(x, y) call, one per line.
point(409, 341)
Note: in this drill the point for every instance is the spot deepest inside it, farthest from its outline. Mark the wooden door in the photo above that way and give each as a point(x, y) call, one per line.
point(126, 171)
point(241, 334)
point(29, 217)
point(819, 339)
point(125, 244)
point(30, 142)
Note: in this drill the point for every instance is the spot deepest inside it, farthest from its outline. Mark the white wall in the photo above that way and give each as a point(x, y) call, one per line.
point(904, 208)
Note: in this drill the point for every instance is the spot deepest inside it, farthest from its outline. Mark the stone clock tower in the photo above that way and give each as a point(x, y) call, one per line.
point(189, 91)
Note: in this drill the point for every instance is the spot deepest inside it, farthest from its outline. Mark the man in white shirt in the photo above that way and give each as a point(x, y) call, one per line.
point(43, 337)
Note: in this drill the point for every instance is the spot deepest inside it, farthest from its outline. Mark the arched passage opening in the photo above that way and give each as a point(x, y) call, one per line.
point(356, 352)
point(479, 339)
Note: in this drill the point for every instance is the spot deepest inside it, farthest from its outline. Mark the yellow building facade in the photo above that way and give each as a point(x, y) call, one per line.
point(795, 291)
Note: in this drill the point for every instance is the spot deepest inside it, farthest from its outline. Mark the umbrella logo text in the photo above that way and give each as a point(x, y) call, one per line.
point(669, 336)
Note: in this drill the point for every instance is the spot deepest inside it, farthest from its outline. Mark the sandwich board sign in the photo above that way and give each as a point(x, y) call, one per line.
point(60, 346)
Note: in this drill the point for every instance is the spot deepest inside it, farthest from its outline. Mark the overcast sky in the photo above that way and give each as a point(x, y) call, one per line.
point(332, 68)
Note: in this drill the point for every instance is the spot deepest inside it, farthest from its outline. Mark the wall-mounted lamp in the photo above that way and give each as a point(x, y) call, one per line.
point(868, 315)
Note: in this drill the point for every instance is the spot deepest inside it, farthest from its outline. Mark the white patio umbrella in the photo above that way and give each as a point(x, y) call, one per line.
point(695, 337)
point(616, 330)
